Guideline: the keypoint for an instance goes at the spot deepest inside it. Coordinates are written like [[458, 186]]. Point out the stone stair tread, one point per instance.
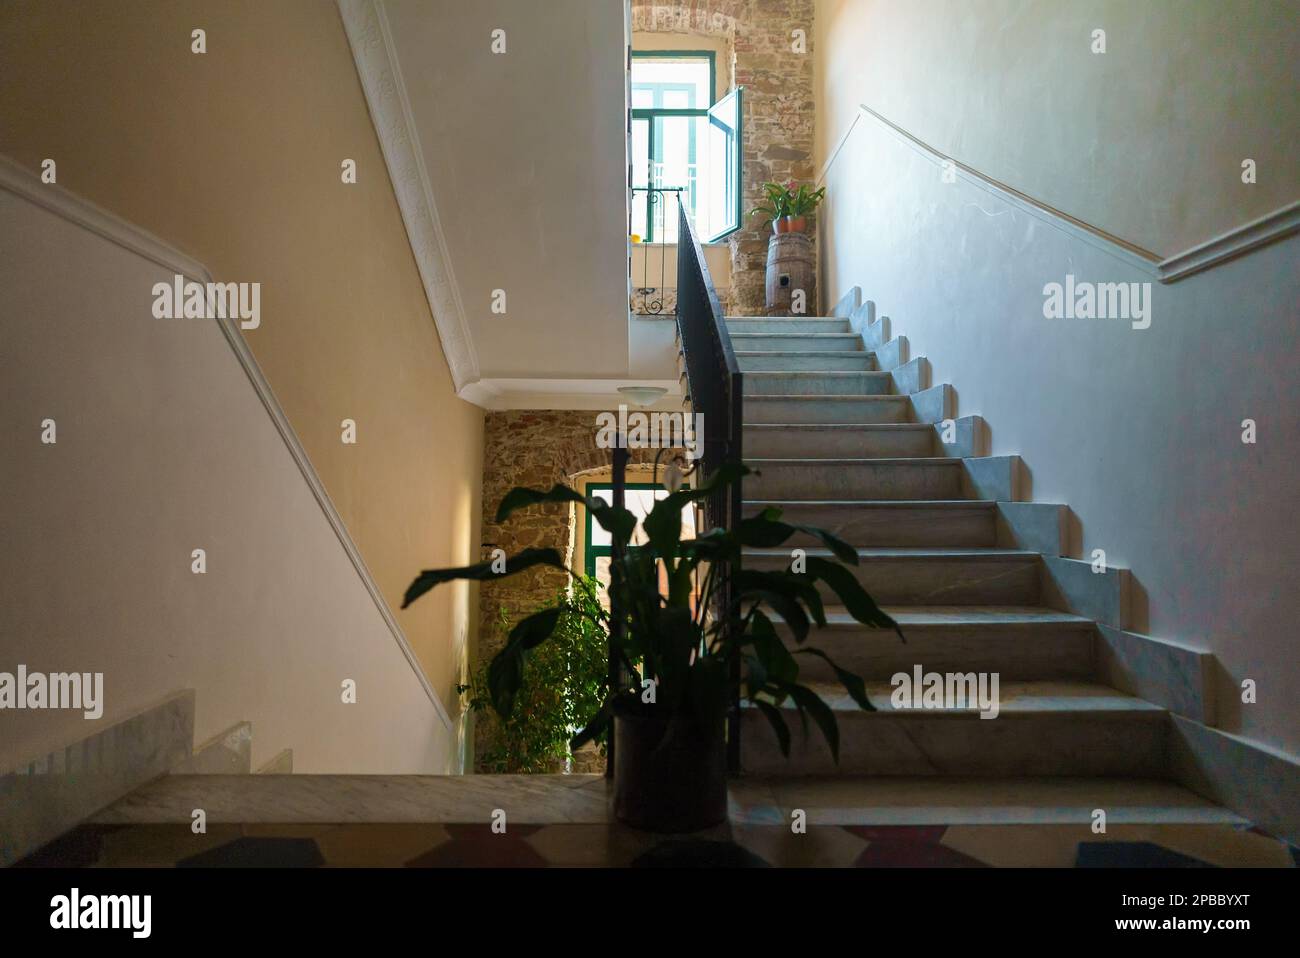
[[1014, 698], [845, 426], [952, 800], [853, 461], [830, 397], [966, 616], [807, 335], [818, 374], [878, 503], [781, 319], [912, 552], [767, 353]]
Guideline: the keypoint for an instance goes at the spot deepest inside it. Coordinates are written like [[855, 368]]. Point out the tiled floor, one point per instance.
[[434, 821], [415, 845]]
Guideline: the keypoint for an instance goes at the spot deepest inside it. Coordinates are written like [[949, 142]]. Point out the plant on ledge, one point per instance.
[[678, 645], [564, 683], [788, 205]]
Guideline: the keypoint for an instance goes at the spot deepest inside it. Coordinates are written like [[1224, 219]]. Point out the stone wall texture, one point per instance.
[[779, 108], [534, 448]]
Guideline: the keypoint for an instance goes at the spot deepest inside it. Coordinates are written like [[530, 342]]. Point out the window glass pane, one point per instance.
[[685, 79], [640, 174], [639, 502], [678, 161], [678, 99], [720, 168]]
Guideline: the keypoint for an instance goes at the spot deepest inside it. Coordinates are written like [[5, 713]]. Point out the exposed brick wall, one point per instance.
[[779, 107]]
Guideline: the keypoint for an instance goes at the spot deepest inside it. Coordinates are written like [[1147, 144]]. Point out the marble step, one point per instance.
[[811, 359], [840, 440], [1020, 643], [929, 576], [883, 523], [787, 342], [1042, 728], [827, 409], [787, 324], [934, 478], [821, 383], [934, 800]]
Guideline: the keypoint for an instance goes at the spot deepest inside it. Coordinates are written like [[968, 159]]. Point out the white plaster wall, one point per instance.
[[1144, 141], [164, 447], [1138, 431], [526, 157]]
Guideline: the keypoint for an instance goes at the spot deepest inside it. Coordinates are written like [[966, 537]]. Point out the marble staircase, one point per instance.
[[846, 434]]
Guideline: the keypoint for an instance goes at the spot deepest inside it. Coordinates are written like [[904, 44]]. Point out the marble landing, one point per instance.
[[339, 820]]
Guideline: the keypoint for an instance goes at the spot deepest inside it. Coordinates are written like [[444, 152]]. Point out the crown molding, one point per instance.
[[596, 394], [390, 112]]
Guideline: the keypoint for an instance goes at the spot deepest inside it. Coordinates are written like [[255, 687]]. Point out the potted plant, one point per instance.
[[788, 205], [679, 645]]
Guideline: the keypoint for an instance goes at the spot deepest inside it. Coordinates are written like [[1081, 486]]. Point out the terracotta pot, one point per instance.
[[669, 776], [781, 225], [796, 224]]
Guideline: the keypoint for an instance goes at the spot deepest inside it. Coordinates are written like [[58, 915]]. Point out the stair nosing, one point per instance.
[[791, 352], [995, 617], [808, 335], [949, 461], [916, 553], [986, 504], [886, 426], [839, 702], [833, 396], [833, 373]]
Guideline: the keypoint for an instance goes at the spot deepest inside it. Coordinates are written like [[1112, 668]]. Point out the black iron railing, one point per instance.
[[714, 388]]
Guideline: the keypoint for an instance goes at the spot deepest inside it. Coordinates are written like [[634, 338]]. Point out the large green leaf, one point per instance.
[[765, 531], [852, 683], [778, 665], [785, 592], [845, 584], [619, 523], [667, 510], [480, 571], [808, 701], [506, 673], [773, 716], [599, 722]]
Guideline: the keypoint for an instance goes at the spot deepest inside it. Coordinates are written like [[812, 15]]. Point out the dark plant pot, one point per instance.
[[669, 776]]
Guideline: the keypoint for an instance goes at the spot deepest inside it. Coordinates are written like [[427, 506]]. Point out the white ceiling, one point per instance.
[[523, 157]]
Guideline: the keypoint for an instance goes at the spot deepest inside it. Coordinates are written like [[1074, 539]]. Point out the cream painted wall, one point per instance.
[[1139, 432], [163, 446], [234, 156], [1144, 141], [648, 259]]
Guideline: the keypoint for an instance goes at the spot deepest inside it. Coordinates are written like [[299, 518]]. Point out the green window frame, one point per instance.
[[652, 115], [591, 552]]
